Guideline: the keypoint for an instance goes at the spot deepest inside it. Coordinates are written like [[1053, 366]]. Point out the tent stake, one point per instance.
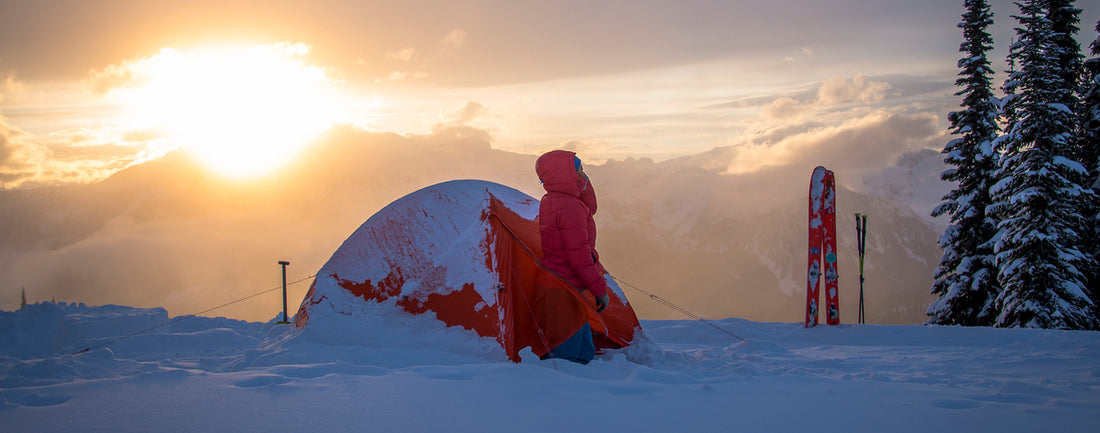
[[284, 264]]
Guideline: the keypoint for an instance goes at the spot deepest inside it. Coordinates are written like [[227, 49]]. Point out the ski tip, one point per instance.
[[818, 176]]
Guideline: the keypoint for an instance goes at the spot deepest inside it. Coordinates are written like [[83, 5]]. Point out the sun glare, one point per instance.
[[242, 111]]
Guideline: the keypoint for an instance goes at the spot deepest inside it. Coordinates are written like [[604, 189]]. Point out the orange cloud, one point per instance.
[[403, 55], [131, 73], [585, 149], [410, 63], [69, 156], [17, 152], [468, 113], [839, 90], [785, 108], [10, 88], [17, 160], [872, 141], [455, 39]]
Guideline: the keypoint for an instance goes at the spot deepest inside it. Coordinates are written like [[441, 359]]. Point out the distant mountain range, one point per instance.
[[167, 233]]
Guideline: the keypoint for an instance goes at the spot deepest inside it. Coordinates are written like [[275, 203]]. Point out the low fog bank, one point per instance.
[[167, 233], [735, 245]]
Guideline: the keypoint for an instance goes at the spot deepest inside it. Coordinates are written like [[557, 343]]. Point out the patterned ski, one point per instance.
[[822, 246], [828, 220], [816, 239]]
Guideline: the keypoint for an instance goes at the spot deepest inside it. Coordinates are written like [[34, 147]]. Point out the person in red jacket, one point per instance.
[[567, 226]]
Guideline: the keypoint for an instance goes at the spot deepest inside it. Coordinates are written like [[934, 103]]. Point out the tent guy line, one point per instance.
[[656, 298], [685, 312], [187, 316]]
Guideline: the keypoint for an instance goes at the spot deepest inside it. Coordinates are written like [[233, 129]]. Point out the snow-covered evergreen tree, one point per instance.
[[1089, 148], [1090, 111], [966, 278], [1041, 197], [1064, 18]]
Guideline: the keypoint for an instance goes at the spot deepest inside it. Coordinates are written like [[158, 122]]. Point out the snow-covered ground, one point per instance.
[[216, 374]]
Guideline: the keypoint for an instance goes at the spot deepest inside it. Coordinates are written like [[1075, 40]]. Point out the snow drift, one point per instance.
[[217, 374]]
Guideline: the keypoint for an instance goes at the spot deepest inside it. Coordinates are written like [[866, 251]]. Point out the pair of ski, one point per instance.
[[822, 245]]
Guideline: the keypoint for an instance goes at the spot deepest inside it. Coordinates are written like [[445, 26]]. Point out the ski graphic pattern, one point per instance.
[[822, 246], [828, 220], [813, 280]]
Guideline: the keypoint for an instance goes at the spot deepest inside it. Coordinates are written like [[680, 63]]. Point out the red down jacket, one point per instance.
[[566, 224]]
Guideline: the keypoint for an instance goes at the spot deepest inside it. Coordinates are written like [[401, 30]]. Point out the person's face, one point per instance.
[[580, 171]]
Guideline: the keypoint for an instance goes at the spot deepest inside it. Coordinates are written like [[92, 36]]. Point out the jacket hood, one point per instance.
[[557, 172]]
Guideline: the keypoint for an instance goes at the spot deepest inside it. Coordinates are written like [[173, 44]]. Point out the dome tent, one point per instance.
[[465, 253]]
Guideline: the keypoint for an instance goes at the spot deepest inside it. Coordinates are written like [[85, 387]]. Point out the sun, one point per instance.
[[242, 111]]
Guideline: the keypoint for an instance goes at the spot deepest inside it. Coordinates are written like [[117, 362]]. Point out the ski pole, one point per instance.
[[861, 248]]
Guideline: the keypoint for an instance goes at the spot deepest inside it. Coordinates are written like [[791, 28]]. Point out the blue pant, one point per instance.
[[578, 348]]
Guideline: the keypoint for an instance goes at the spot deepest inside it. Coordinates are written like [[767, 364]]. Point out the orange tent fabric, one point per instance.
[[541, 306], [533, 307]]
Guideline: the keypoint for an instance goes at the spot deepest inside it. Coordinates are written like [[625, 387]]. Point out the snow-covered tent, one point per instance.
[[466, 252]]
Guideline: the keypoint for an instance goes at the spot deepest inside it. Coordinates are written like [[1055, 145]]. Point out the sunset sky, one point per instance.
[[89, 87]]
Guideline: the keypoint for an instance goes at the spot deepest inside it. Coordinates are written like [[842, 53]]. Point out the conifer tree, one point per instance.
[[966, 278], [1089, 133], [1064, 18], [1041, 199], [1089, 148]]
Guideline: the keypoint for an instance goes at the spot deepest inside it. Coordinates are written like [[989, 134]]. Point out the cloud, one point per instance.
[[17, 152], [784, 109], [455, 39], [859, 89], [459, 120], [833, 91], [404, 55], [405, 75], [131, 73], [7, 142], [855, 146], [777, 135], [11, 89], [26, 161], [803, 52], [410, 63], [129, 110], [70, 156], [468, 113], [585, 149], [203, 63], [526, 42]]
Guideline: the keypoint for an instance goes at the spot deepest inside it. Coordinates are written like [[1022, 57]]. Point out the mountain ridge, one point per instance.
[[719, 245]]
